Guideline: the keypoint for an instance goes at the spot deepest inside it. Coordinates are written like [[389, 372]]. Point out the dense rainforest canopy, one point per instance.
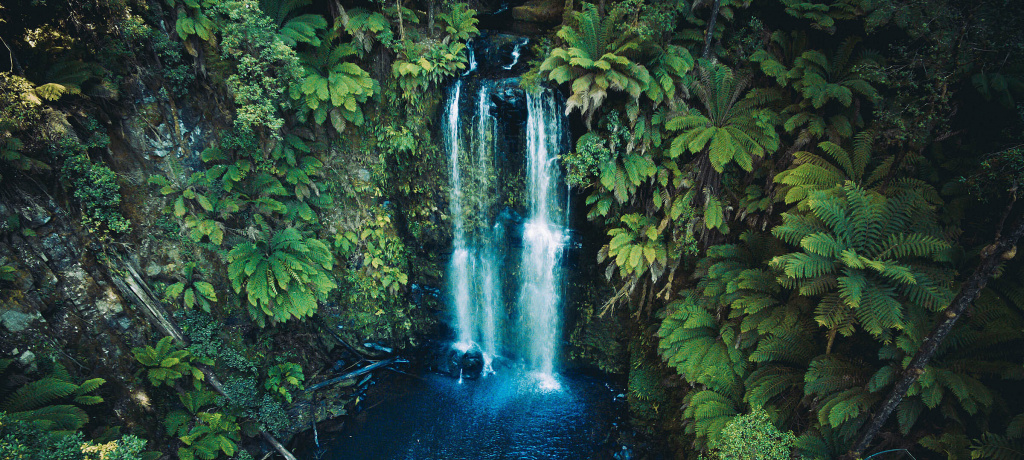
[[799, 217]]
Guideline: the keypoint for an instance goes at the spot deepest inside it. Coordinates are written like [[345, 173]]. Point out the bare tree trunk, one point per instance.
[[15, 67], [1004, 248], [430, 17], [401, 23], [711, 28]]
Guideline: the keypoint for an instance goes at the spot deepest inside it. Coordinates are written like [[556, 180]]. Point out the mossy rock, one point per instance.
[[541, 11]]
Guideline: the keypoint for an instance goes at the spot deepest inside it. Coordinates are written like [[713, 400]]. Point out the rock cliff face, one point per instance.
[[68, 296], [63, 303]]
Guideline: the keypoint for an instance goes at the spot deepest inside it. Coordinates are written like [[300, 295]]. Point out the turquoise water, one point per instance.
[[519, 416]]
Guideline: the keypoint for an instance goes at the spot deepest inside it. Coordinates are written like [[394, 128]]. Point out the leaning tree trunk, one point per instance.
[[1004, 248], [711, 28]]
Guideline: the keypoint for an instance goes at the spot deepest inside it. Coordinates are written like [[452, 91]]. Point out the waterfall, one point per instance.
[[459, 267], [489, 289], [515, 53], [506, 183], [543, 233]]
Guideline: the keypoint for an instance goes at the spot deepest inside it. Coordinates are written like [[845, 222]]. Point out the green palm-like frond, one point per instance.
[[863, 254], [596, 60], [294, 28], [732, 128], [333, 86], [285, 277], [44, 402]]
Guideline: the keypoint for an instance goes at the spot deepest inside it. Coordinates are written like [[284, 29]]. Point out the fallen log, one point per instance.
[[357, 373]]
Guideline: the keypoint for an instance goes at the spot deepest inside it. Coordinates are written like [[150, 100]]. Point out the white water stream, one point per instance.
[[479, 277]]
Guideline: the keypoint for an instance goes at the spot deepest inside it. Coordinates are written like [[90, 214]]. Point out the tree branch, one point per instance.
[[1001, 250], [356, 373]]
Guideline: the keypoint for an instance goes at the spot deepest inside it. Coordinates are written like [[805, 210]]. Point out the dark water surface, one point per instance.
[[519, 416]]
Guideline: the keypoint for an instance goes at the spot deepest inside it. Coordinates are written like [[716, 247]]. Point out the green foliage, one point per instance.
[[96, 188], [814, 172], [753, 435], [859, 252], [265, 66], [639, 245], [283, 276], [212, 434], [584, 162], [195, 205], [265, 410], [367, 28], [207, 341], [195, 17], [823, 15], [829, 90], [460, 22], [20, 110], [127, 448], [333, 86], [732, 130], [294, 28], [993, 446], [641, 195], [596, 59], [839, 385], [998, 175], [165, 364], [422, 65], [378, 257], [67, 78], [707, 350], [421, 68], [22, 440], [192, 291], [282, 377], [646, 393], [49, 403]]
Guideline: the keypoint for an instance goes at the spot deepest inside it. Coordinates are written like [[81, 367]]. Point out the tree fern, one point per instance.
[[992, 446], [40, 401], [959, 380], [294, 28], [366, 28], [596, 60], [460, 22], [283, 277], [835, 165], [820, 443], [710, 412], [855, 237], [731, 130], [332, 86], [67, 77], [843, 401]]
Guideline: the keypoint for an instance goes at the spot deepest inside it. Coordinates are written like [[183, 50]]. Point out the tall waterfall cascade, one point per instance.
[[509, 217]]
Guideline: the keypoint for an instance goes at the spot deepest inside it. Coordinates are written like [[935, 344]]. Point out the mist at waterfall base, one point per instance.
[[500, 393]]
